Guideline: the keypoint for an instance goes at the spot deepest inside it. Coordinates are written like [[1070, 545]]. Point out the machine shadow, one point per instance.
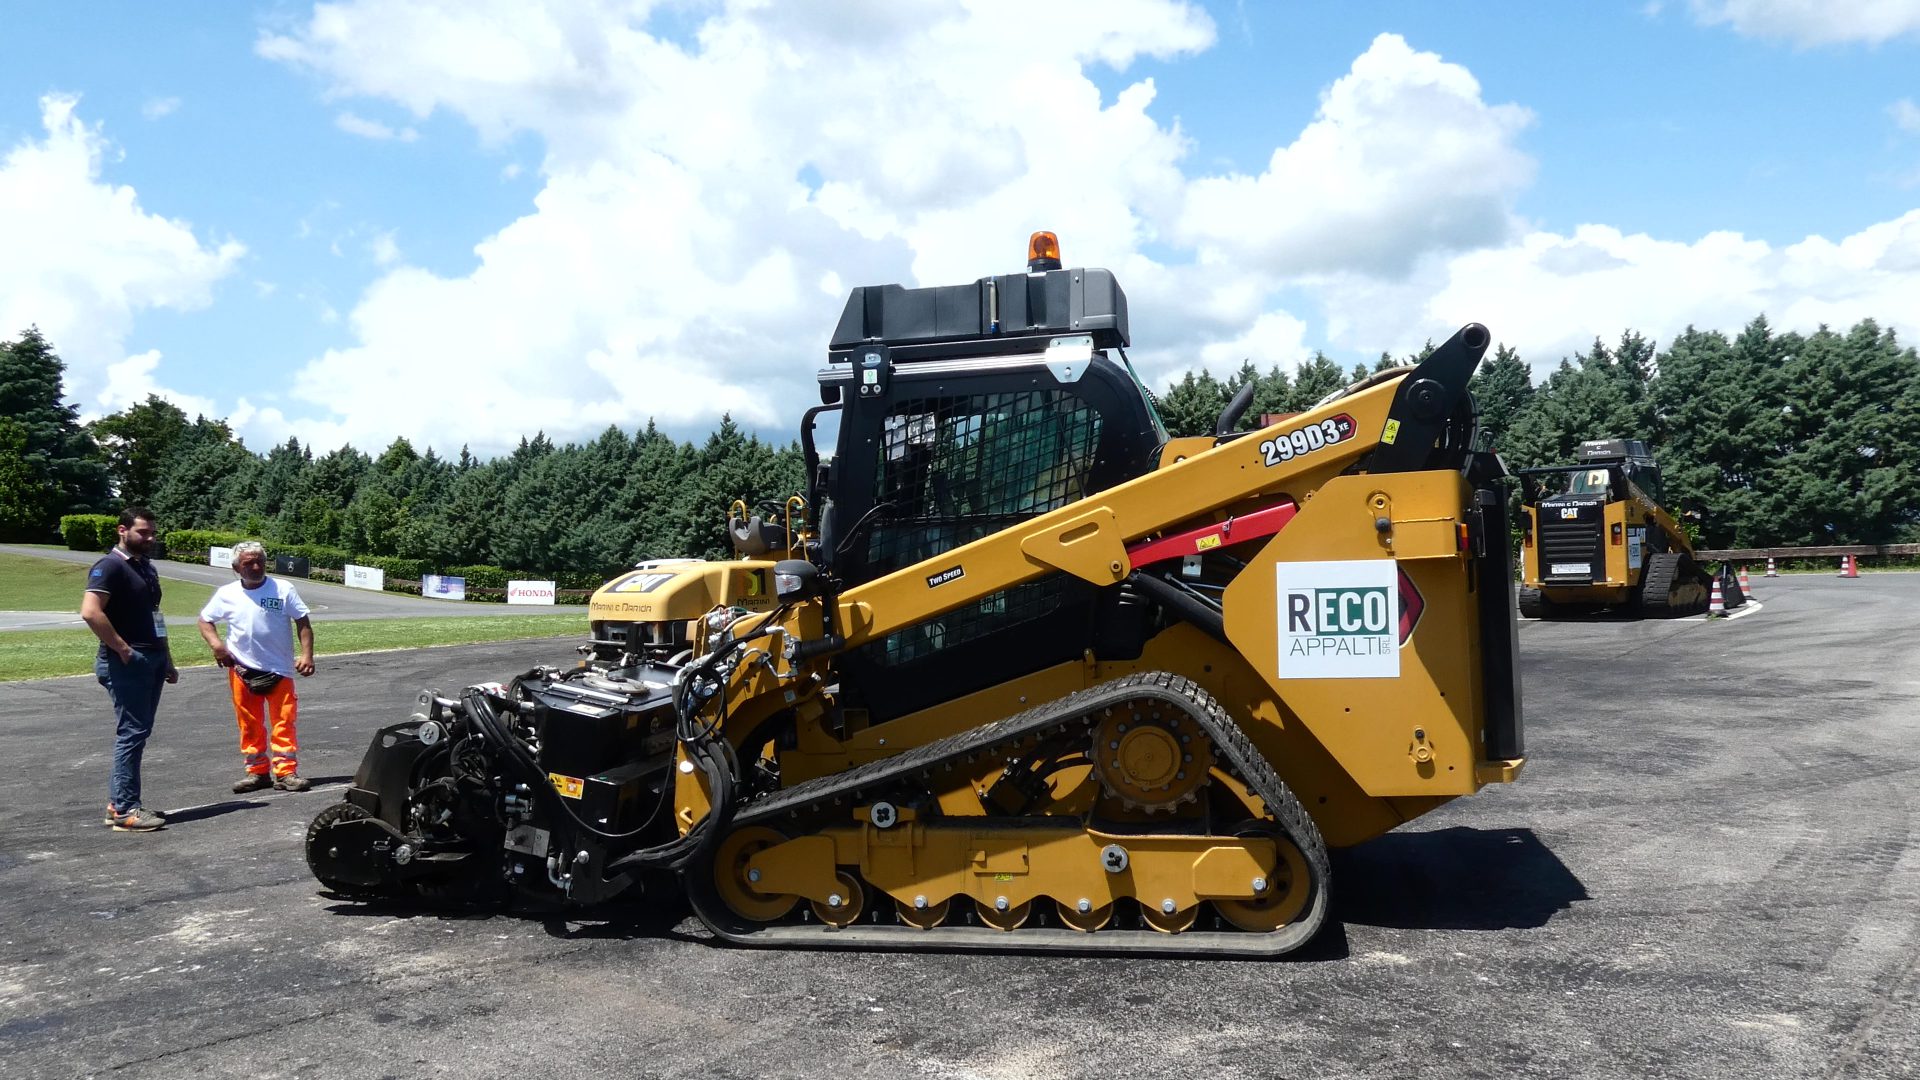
[[209, 810], [1453, 879], [1458, 878]]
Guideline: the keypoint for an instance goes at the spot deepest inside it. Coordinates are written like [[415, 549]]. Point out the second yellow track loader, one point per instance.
[[1017, 671]]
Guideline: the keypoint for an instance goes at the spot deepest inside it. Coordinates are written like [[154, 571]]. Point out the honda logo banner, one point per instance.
[[531, 592]]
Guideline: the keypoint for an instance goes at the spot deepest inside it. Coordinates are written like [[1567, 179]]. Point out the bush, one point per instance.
[[90, 532], [393, 565], [192, 544], [494, 577]]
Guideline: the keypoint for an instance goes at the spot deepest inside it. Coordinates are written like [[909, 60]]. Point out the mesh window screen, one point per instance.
[[958, 469]]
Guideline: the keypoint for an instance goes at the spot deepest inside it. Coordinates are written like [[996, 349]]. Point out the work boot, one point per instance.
[[253, 781], [291, 782], [137, 819]]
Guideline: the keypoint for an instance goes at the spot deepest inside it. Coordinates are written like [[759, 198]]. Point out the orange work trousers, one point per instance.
[[259, 712]]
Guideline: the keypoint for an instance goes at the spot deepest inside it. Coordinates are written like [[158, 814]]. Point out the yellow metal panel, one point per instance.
[[1367, 723]]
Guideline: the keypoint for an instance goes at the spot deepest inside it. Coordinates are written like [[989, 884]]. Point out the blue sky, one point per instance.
[[465, 221]]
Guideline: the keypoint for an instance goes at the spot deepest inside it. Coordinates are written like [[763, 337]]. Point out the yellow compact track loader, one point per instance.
[[1018, 671], [1604, 541]]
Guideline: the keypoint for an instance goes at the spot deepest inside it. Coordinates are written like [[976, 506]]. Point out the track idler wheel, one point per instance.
[[1093, 918], [852, 900], [733, 880], [922, 918], [1012, 918], [1176, 921], [1285, 897]]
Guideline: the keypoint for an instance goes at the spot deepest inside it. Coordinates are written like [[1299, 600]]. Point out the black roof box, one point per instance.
[[993, 310]]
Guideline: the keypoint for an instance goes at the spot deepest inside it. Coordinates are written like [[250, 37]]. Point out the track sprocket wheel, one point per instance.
[[731, 876], [1149, 757]]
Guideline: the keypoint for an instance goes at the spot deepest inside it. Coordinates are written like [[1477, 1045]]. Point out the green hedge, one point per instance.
[[318, 556], [90, 532], [192, 544], [393, 565], [494, 577]]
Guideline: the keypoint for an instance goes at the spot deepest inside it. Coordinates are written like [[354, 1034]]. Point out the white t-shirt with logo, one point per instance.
[[259, 622]]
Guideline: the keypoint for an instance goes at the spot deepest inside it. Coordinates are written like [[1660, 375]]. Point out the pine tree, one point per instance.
[[1316, 379], [63, 470], [138, 440], [1502, 387], [1193, 405]]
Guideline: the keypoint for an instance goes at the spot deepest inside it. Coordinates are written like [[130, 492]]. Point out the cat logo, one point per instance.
[[1568, 513], [642, 583]]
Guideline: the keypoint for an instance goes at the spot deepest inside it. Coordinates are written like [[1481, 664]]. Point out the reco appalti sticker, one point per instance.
[[1339, 620]]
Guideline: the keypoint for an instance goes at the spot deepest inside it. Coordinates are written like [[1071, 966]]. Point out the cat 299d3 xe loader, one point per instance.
[[1019, 671], [1605, 541]]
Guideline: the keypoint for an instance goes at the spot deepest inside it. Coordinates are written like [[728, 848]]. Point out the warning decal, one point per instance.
[[569, 786], [1339, 620]]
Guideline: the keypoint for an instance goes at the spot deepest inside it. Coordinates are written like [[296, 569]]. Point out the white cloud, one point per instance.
[[1814, 22], [372, 129], [384, 250], [703, 207], [1403, 158], [155, 108], [131, 380], [1550, 295], [83, 257], [1906, 115]]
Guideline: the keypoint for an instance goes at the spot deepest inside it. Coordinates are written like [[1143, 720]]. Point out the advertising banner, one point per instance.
[[1339, 620], [440, 587], [364, 577], [530, 592], [218, 556]]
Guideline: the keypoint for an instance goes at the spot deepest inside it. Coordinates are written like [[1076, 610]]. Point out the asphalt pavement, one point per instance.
[[327, 600], [1708, 869]]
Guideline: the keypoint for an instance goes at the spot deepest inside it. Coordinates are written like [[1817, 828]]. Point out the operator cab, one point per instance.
[[964, 410]]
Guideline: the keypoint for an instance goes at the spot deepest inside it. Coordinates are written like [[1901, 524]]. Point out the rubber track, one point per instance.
[[1656, 586], [807, 800]]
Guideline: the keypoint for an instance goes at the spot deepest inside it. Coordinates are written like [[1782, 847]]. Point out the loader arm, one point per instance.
[[1396, 422]]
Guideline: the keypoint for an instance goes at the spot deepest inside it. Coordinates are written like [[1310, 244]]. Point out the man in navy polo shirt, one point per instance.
[[122, 608]]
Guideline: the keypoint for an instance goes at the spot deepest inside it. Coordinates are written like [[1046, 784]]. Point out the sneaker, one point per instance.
[[291, 782], [137, 819], [253, 781]]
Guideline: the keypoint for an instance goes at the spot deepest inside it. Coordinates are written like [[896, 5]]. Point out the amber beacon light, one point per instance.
[[1043, 252]]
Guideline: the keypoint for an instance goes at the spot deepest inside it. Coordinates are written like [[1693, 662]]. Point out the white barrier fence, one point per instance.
[[531, 592], [219, 556], [364, 577]]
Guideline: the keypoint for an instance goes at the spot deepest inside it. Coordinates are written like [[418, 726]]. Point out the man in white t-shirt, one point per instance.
[[262, 615]]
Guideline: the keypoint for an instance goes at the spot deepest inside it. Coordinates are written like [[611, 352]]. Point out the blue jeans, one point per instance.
[[134, 687]]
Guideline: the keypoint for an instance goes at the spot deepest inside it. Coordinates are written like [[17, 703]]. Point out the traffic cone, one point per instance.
[[1746, 587], [1716, 603], [1849, 566], [1771, 572]]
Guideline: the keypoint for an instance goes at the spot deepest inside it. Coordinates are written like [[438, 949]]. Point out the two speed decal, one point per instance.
[[1306, 440]]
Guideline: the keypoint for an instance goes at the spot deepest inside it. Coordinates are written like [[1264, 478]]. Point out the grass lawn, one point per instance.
[[30, 584], [40, 654]]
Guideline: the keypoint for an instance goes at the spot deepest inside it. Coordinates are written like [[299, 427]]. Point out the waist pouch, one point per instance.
[[260, 682]]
